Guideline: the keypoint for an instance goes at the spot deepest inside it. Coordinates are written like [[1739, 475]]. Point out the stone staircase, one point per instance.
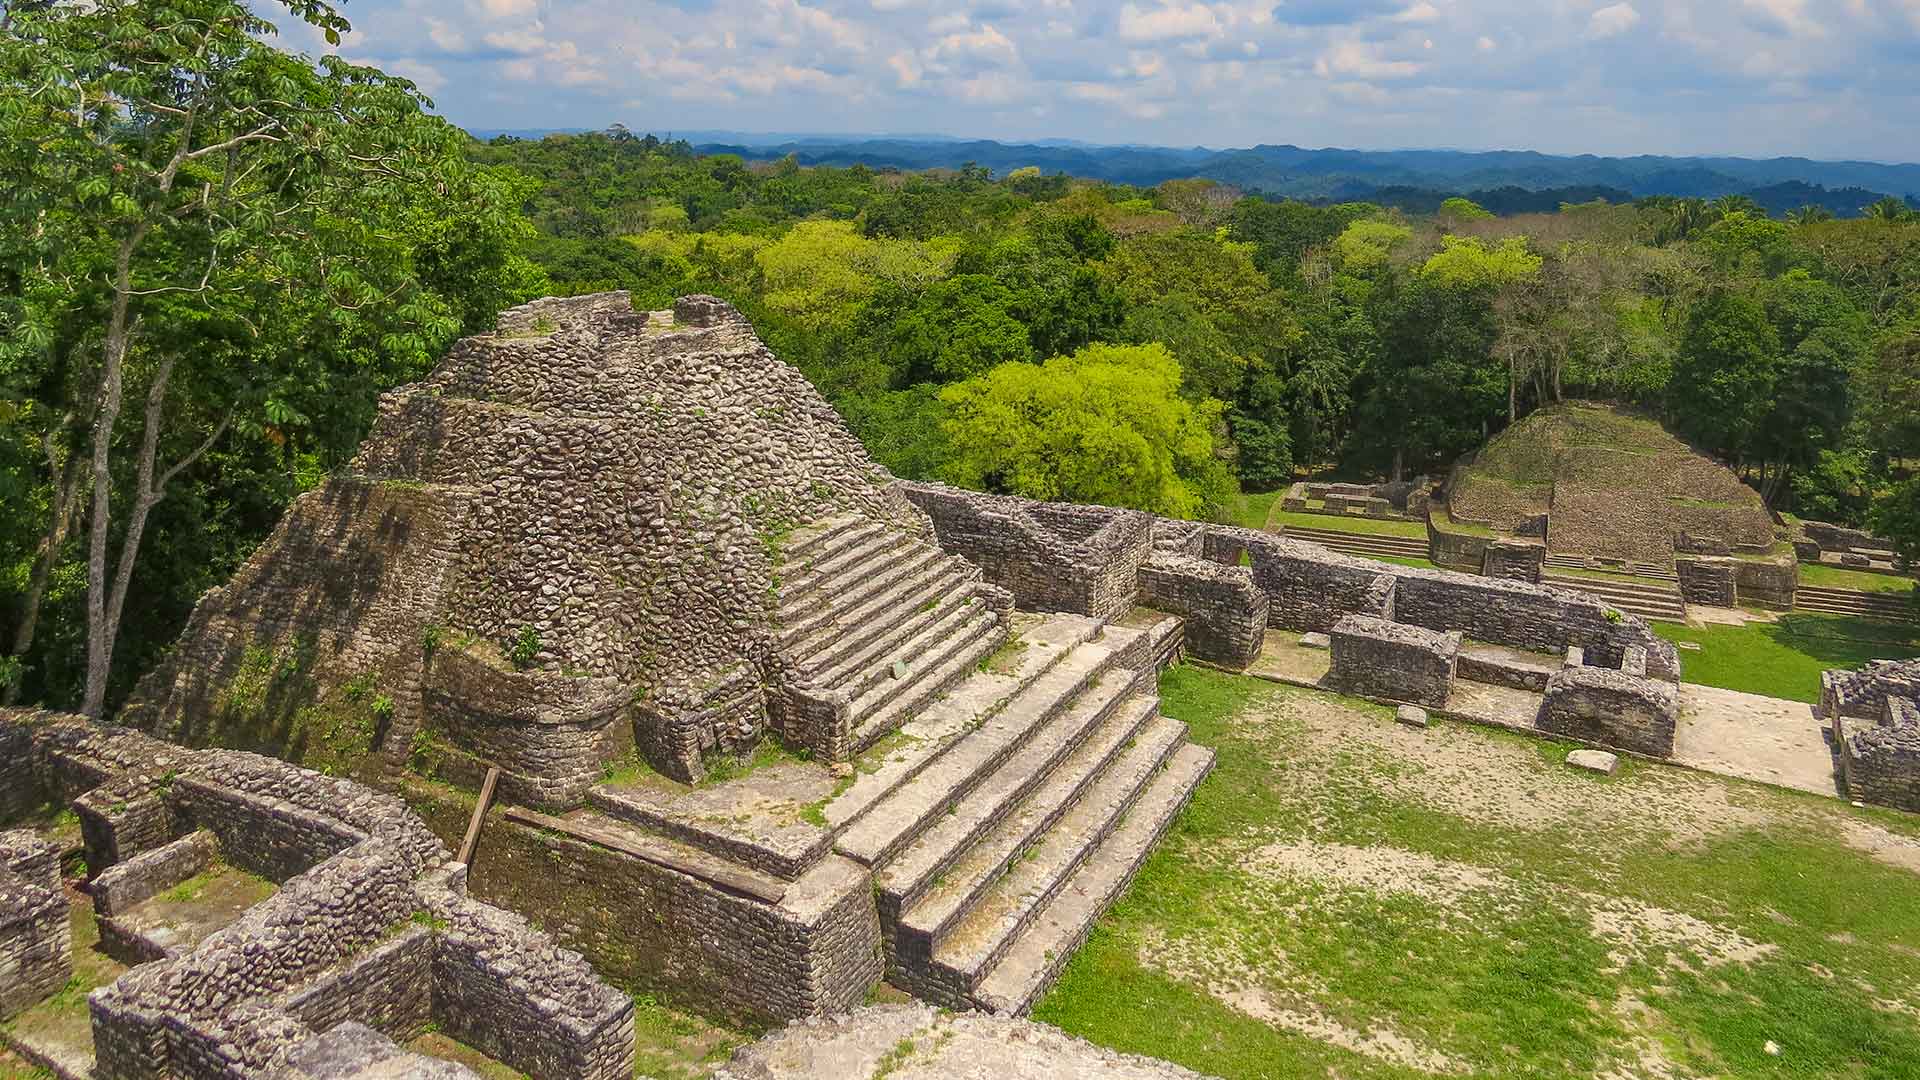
[[1888, 607], [880, 620], [1009, 812], [1366, 545], [1649, 600]]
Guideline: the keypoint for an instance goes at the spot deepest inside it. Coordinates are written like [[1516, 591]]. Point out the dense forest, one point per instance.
[[217, 254]]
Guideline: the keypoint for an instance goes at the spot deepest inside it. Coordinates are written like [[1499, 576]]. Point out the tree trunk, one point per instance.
[[66, 485], [1399, 463], [112, 390]]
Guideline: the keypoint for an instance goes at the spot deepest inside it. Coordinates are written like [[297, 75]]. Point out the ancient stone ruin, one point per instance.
[[1875, 714], [613, 605]]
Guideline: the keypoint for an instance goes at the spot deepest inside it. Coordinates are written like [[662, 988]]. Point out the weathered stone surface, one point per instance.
[[1707, 580], [914, 1042], [354, 1051], [1596, 761], [1412, 716], [1225, 613], [1381, 659], [36, 953], [1612, 708]]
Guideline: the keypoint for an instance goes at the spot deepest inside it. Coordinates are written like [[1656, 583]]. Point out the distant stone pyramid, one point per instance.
[[564, 541]]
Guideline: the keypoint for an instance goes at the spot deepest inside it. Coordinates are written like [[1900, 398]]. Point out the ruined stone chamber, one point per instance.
[[358, 921], [1875, 715]]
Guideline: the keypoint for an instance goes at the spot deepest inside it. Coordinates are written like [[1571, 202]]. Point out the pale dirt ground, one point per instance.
[[1473, 774]]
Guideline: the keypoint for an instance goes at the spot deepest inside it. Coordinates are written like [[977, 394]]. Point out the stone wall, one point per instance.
[[647, 926], [1514, 560], [21, 791], [141, 878], [36, 950], [1612, 708], [1880, 762], [1863, 694], [1831, 537], [1456, 549], [1225, 613], [1380, 659], [1531, 617], [1769, 582], [1308, 587], [1050, 556], [1708, 580]]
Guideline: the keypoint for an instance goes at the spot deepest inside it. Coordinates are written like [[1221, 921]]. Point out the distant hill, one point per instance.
[[1518, 180]]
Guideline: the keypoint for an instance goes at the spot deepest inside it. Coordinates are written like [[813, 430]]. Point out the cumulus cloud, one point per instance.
[[1817, 77], [1612, 21]]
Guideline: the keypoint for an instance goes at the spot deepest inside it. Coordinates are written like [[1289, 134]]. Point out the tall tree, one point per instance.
[[198, 206]]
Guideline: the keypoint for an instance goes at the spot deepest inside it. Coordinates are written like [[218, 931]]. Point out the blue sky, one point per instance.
[[1818, 78]]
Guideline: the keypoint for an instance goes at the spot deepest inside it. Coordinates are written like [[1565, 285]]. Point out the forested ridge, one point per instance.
[[221, 253]]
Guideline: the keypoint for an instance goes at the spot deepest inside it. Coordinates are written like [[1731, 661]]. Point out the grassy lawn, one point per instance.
[[1834, 577], [1784, 659], [1360, 525], [1250, 509], [1349, 898]]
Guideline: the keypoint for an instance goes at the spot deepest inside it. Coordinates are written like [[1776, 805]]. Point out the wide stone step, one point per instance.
[[894, 616], [807, 540], [1082, 799], [1605, 587], [1099, 721], [804, 624], [890, 823], [882, 710], [916, 650], [1043, 945], [875, 548]]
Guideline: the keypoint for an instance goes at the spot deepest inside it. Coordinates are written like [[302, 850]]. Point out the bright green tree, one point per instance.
[[1723, 383], [1106, 425]]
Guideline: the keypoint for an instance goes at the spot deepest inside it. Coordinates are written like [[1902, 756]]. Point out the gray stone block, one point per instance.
[[1596, 761], [1412, 716]]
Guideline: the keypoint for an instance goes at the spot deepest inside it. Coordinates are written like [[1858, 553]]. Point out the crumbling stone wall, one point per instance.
[[36, 950], [1769, 582], [1308, 587], [1225, 613], [1830, 537], [1880, 762], [1613, 708], [605, 490], [1531, 617], [1050, 556], [1863, 694], [1377, 658]]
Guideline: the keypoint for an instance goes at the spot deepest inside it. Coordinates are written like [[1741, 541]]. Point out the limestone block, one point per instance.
[[1381, 659], [1412, 716], [1595, 761], [1315, 640], [1612, 708]]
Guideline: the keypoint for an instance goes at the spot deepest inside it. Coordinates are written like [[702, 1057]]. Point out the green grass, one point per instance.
[[1250, 509], [1512, 984], [1349, 524], [1834, 577], [1784, 659]]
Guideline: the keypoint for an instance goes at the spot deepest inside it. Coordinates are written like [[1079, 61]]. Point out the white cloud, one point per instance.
[[1168, 22], [507, 9], [1353, 58], [1612, 21], [1486, 44], [1418, 13]]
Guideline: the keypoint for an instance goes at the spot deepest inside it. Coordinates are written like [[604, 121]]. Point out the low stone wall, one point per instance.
[[1831, 537], [1462, 551], [1308, 587], [150, 873], [1880, 762], [1381, 659], [649, 927], [36, 950], [677, 727], [1863, 694], [1531, 617], [1225, 613], [1497, 671], [1767, 582], [1514, 560], [1051, 556], [1612, 708], [550, 734], [1707, 580], [21, 791]]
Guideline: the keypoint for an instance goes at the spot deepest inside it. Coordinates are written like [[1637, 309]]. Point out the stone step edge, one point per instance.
[[805, 593], [818, 531], [914, 693], [1056, 700], [905, 564], [846, 664], [800, 558], [611, 802], [956, 965], [1055, 657], [910, 873], [1145, 744], [1189, 767]]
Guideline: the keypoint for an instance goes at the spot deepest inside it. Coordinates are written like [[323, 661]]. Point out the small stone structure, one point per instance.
[[1620, 708], [1515, 558], [1708, 580], [370, 923], [1875, 713], [1377, 658]]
